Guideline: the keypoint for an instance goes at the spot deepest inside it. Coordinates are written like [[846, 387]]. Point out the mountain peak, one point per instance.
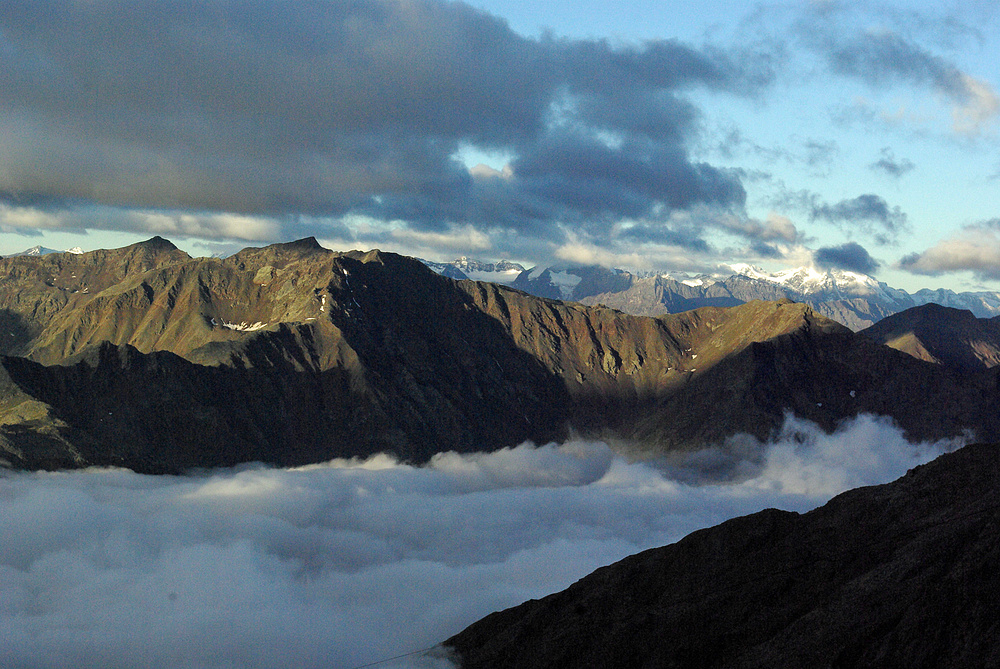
[[278, 254], [156, 243], [945, 335], [305, 244]]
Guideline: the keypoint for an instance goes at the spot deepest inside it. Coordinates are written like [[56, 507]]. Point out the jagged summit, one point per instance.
[[853, 299], [39, 250], [502, 272], [304, 244], [278, 255], [824, 284]]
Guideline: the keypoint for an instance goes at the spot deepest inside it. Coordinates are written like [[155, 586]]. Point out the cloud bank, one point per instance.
[[868, 213], [273, 111], [975, 248], [362, 123], [350, 562]]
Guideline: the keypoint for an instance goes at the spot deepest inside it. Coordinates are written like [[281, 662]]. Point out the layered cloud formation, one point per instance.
[[976, 247], [351, 562], [325, 109], [431, 127]]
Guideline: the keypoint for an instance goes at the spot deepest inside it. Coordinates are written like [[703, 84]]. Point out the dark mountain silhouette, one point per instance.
[[951, 337], [899, 575], [147, 358]]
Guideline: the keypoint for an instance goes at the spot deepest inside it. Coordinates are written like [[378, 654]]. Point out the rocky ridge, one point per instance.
[[147, 358]]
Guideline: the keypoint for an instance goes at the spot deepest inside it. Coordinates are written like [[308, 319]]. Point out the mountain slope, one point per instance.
[[824, 375], [898, 575], [951, 337], [36, 289]]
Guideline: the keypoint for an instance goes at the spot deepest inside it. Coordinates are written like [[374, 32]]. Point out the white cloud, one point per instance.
[[349, 562], [206, 225], [458, 239], [975, 248], [980, 107], [586, 253], [29, 218], [218, 225], [482, 171]]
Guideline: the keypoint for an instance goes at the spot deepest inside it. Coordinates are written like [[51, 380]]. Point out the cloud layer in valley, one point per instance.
[[349, 562]]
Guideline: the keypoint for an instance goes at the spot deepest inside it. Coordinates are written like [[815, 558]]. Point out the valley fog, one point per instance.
[[350, 562]]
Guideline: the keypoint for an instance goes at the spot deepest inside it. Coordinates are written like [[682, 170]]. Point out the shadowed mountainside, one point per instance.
[[951, 337], [898, 575], [146, 358]]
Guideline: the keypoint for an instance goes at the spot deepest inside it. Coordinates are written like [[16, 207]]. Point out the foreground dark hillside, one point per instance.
[[900, 575], [146, 358]]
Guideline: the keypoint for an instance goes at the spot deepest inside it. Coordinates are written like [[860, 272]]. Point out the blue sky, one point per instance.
[[644, 134]]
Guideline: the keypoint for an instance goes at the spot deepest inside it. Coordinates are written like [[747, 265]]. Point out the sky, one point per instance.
[[346, 563], [644, 135]]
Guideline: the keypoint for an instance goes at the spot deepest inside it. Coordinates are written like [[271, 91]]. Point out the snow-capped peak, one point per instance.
[[828, 284], [746, 269], [465, 267], [40, 250]]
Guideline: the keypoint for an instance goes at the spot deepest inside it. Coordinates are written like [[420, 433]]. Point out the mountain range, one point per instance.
[[40, 250], [850, 298], [147, 358]]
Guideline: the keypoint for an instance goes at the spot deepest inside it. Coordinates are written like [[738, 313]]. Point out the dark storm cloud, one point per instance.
[[585, 177], [767, 251], [686, 238], [850, 256], [332, 108], [888, 164], [21, 232], [869, 213]]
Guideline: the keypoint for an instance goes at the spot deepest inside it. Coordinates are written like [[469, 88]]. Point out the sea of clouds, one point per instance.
[[351, 562]]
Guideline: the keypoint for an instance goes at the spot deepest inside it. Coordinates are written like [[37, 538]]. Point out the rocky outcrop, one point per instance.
[[899, 575]]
